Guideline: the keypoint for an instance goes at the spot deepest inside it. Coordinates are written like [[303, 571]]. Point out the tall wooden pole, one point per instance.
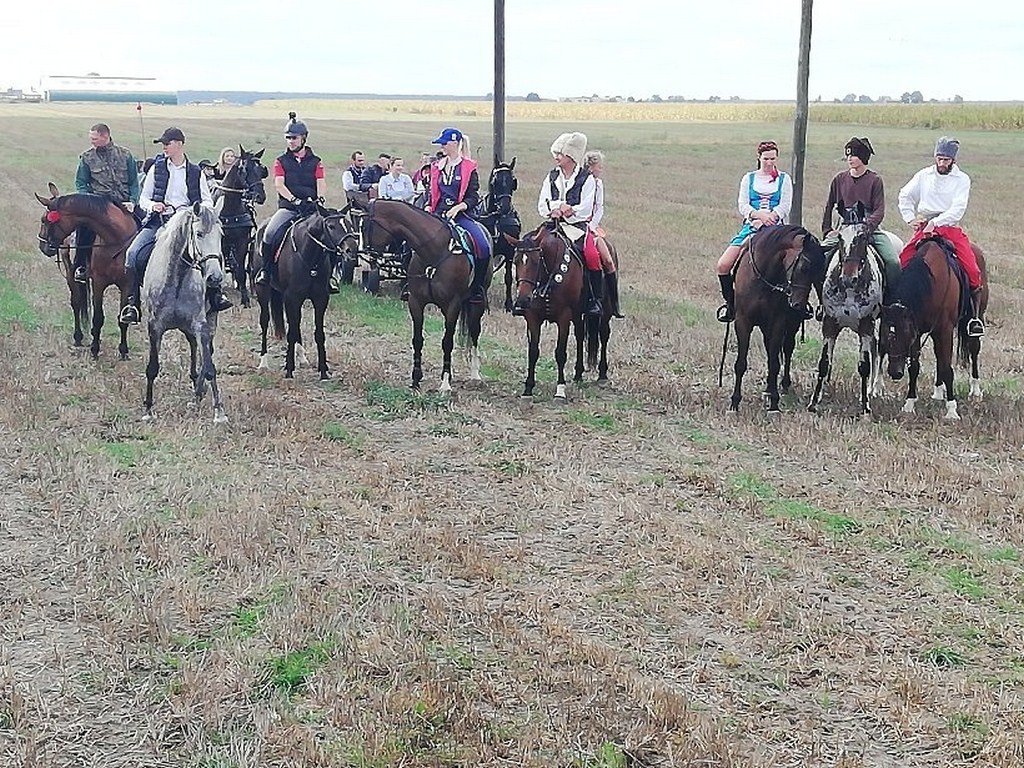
[[499, 81], [800, 124]]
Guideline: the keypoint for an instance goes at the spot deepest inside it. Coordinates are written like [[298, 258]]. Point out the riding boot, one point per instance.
[[130, 312], [727, 312], [477, 293], [81, 272], [975, 327], [613, 293], [215, 297], [596, 280], [263, 276]]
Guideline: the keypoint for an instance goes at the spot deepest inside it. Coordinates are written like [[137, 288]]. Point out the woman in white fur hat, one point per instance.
[[567, 194]]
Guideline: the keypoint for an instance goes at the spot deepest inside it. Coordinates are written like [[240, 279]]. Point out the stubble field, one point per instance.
[[348, 574]]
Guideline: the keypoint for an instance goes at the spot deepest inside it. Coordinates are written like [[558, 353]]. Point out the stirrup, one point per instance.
[[262, 277], [129, 315], [594, 308], [975, 327], [81, 275], [725, 314]]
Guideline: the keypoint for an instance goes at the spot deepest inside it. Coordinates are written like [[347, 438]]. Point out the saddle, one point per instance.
[[964, 306]]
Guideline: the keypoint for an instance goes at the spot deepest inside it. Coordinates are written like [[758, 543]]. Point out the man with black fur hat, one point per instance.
[[859, 184], [933, 202]]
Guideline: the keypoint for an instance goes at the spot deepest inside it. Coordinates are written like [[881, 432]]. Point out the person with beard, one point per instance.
[[106, 169], [859, 184], [172, 183], [765, 197], [300, 182], [933, 202]]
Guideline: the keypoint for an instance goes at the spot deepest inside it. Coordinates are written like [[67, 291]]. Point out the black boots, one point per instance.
[[612, 279], [975, 327], [130, 313], [727, 312], [477, 292], [596, 280], [263, 276]]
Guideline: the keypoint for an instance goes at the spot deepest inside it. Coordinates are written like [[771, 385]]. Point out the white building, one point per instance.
[[149, 90]]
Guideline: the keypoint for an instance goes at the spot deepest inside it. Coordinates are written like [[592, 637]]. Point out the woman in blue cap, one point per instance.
[[454, 193]]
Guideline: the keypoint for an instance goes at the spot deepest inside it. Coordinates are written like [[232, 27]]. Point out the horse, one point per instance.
[[115, 228], [932, 300], [240, 191], [550, 287], [852, 297], [502, 221], [436, 275], [174, 293], [774, 277], [305, 260]]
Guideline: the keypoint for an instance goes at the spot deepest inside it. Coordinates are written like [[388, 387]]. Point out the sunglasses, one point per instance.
[[292, 137]]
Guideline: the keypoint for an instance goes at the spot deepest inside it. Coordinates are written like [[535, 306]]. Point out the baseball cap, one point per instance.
[[448, 134], [169, 135]]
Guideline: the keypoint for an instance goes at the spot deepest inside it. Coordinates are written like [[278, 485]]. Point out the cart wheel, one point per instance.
[[371, 281]]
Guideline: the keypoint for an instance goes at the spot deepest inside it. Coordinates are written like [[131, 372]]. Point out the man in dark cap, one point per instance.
[[859, 184]]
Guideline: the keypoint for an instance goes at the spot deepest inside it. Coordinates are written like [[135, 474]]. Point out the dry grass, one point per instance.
[[348, 575]]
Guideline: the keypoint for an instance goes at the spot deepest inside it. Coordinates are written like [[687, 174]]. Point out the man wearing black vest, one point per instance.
[[171, 183], [567, 195], [300, 181]]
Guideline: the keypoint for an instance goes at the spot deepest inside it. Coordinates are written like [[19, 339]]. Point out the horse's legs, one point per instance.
[[743, 331], [451, 320], [474, 316], [865, 365], [193, 348], [209, 373], [973, 351], [773, 346], [828, 332], [319, 310], [264, 296], [606, 332], [152, 369], [97, 317], [293, 314], [79, 308], [124, 289], [913, 370], [533, 326], [416, 314], [509, 268], [580, 328], [788, 345], [561, 355], [876, 388], [942, 343]]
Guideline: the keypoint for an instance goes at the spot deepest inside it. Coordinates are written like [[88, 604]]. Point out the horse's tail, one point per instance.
[[591, 337], [964, 342], [277, 312], [462, 329]]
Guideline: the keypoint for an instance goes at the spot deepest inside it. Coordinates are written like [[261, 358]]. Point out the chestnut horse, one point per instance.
[[115, 229]]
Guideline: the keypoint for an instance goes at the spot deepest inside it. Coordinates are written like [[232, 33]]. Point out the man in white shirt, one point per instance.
[[171, 183], [396, 184], [567, 195], [933, 202]]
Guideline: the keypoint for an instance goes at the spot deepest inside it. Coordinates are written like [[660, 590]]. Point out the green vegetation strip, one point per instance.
[[750, 485], [15, 308]]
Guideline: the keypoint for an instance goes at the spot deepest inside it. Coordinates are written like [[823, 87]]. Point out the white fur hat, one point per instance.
[[573, 145]]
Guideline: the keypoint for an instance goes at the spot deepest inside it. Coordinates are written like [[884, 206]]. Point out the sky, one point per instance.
[[639, 48]]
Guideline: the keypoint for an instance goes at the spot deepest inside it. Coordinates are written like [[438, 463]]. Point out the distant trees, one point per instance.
[[531, 96], [913, 97]]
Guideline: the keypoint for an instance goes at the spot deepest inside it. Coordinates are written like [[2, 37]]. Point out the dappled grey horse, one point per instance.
[[186, 251]]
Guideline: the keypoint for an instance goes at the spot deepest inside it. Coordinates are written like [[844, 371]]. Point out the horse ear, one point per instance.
[[53, 189], [512, 165], [196, 207], [259, 154], [42, 200], [241, 150], [513, 241]]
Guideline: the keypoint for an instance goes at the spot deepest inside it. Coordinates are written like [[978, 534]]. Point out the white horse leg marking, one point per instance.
[[908, 407], [939, 393], [446, 383], [474, 364], [264, 362], [951, 413], [975, 389], [560, 391]]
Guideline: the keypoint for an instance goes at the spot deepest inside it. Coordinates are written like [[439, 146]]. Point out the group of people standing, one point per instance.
[[932, 202]]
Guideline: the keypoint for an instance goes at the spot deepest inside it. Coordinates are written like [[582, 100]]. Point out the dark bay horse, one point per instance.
[[174, 293], [437, 276], [550, 288], [304, 263], [502, 221], [239, 192], [852, 298], [930, 300], [115, 228], [777, 269]]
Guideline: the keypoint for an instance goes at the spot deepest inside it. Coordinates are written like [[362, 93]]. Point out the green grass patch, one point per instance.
[[1003, 555], [15, 308], [608, 755], [747, 484], [390, 402], [963, 582], [126, 454], [600, 421], [381, 315], [288, 673], [942, 656], [339, 433]]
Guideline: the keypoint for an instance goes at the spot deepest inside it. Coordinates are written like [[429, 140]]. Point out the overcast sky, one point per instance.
[[745, 48]]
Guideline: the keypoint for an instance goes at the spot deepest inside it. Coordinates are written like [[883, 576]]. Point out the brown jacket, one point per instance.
[[845, 191]]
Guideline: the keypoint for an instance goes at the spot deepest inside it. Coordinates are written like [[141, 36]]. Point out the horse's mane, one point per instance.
[[173, 236], [774, 239], [915, 285], [90, 205]]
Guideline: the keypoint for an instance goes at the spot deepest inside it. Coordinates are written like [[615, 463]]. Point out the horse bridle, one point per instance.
[[50, 242], [248, 191], [789, 272]]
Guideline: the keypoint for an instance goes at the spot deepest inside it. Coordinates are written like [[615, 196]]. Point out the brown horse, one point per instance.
[[115, 228], [437, 276], [931, 300], [550, 288], [776, 271]]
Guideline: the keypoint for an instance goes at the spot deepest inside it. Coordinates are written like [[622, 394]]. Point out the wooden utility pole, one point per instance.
[[803, 71], [499, 81]]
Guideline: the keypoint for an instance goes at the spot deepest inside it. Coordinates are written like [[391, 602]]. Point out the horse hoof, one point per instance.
[[289, 375], [220, 418], [560, 392], [325, 375], [147, 417]]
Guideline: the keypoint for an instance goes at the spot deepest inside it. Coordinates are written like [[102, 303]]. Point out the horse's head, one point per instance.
[[54, 224], [331, 230], [501, 186], [791, 253], [853, 249], [204, 234], [898, 335], [534, 256], [247, 174]]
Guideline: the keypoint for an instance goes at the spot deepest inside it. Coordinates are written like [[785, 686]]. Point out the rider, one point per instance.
[[861, 185], [300, 181], [594, 161], [567, 195], [105, 169], [765, 197], [455, 195], [171, 183], [934, 201]]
